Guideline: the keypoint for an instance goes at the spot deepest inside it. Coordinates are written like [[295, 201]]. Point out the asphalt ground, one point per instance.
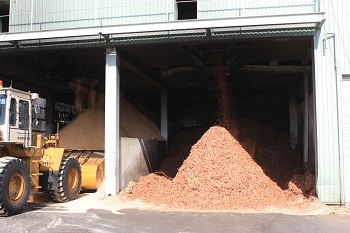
[[53, 217]]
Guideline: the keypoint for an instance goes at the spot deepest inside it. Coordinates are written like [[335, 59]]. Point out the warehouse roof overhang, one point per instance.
[[175, 56], [137, 33]]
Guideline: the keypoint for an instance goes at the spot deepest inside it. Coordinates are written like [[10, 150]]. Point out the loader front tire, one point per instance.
[[14, 185], [69, 180]]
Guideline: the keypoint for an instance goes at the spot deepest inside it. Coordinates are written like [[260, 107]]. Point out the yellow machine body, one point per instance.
[[91, 162], [92, 167], [41, 160], [41, 164], [92, 173]]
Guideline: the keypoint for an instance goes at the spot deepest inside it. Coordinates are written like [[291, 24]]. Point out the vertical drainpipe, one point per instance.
[[306, 118], [112, 119], [339, 119]]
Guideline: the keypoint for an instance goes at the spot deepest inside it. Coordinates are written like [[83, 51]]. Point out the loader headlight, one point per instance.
[[54, 137]]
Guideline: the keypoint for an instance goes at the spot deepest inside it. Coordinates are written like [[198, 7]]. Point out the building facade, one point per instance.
[[36, 22]]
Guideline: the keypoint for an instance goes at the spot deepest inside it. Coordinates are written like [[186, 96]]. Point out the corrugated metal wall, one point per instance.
[[346, 138], [331, 61], [27, 15], [229, 8], [328, 167]]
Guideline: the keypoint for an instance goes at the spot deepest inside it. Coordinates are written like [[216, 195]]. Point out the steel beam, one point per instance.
[[139, 72], [290, 22], [276, 69]]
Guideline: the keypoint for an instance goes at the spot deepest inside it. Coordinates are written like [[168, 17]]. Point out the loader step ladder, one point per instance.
[[34, 176]]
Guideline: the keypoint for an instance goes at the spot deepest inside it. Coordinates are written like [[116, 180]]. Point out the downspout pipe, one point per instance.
[[339, 120]]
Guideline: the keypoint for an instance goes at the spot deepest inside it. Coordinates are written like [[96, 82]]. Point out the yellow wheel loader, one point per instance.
[[31, 163]]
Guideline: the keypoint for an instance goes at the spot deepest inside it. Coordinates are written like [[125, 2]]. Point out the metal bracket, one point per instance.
[[107, 37], [15, 43], [209, 33]]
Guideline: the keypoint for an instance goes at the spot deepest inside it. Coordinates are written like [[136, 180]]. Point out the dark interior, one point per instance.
[[186, 9], [4, 15], [257, 74]]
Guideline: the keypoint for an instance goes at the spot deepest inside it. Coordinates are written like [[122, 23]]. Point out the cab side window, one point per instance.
[[13, 113], [2, 109], [23, 107]]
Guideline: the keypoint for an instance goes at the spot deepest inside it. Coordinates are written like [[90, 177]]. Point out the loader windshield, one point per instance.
[[2, 109]]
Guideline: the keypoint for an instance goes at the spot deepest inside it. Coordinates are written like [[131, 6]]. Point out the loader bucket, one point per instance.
[[92, 171]]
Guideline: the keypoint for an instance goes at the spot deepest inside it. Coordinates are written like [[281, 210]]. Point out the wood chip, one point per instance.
[[248, 166]]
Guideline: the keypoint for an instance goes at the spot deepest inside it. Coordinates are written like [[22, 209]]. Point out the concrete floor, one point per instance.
[[55, 218]]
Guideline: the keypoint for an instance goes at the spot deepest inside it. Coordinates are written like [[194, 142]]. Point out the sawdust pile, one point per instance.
[[87, 130], [135, 124], [223, 173]]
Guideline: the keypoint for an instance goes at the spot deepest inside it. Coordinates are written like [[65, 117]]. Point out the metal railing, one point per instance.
[[259, 7], [39, 15]]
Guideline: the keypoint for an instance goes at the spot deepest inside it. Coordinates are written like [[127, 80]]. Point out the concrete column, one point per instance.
[[293, 115], [164, 117], [112, 110], [306, 118]]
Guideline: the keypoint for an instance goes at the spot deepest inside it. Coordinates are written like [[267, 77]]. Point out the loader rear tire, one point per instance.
[[69, 180], [14, 185]]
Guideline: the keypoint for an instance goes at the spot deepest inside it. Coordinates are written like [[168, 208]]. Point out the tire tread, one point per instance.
[[5, 164], [60, 195]]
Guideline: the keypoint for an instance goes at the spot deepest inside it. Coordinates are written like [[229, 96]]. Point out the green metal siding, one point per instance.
[[229, 8], [331, 61], [34, 15]]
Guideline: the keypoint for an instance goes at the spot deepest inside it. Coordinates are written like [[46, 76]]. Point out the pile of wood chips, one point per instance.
[[87, 131], [248, 166]]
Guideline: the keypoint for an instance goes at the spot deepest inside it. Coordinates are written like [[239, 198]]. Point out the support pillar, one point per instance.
[[293, 115], [306, 118], [112, 119], [164, 118]]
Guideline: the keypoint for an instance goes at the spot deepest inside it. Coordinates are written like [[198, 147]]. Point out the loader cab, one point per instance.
[[16, 116]]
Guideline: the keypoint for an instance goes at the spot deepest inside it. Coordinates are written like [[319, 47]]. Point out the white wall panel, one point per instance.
[[208, 9], [331, 61], [328, 167], [346, 136], [59, 14]]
